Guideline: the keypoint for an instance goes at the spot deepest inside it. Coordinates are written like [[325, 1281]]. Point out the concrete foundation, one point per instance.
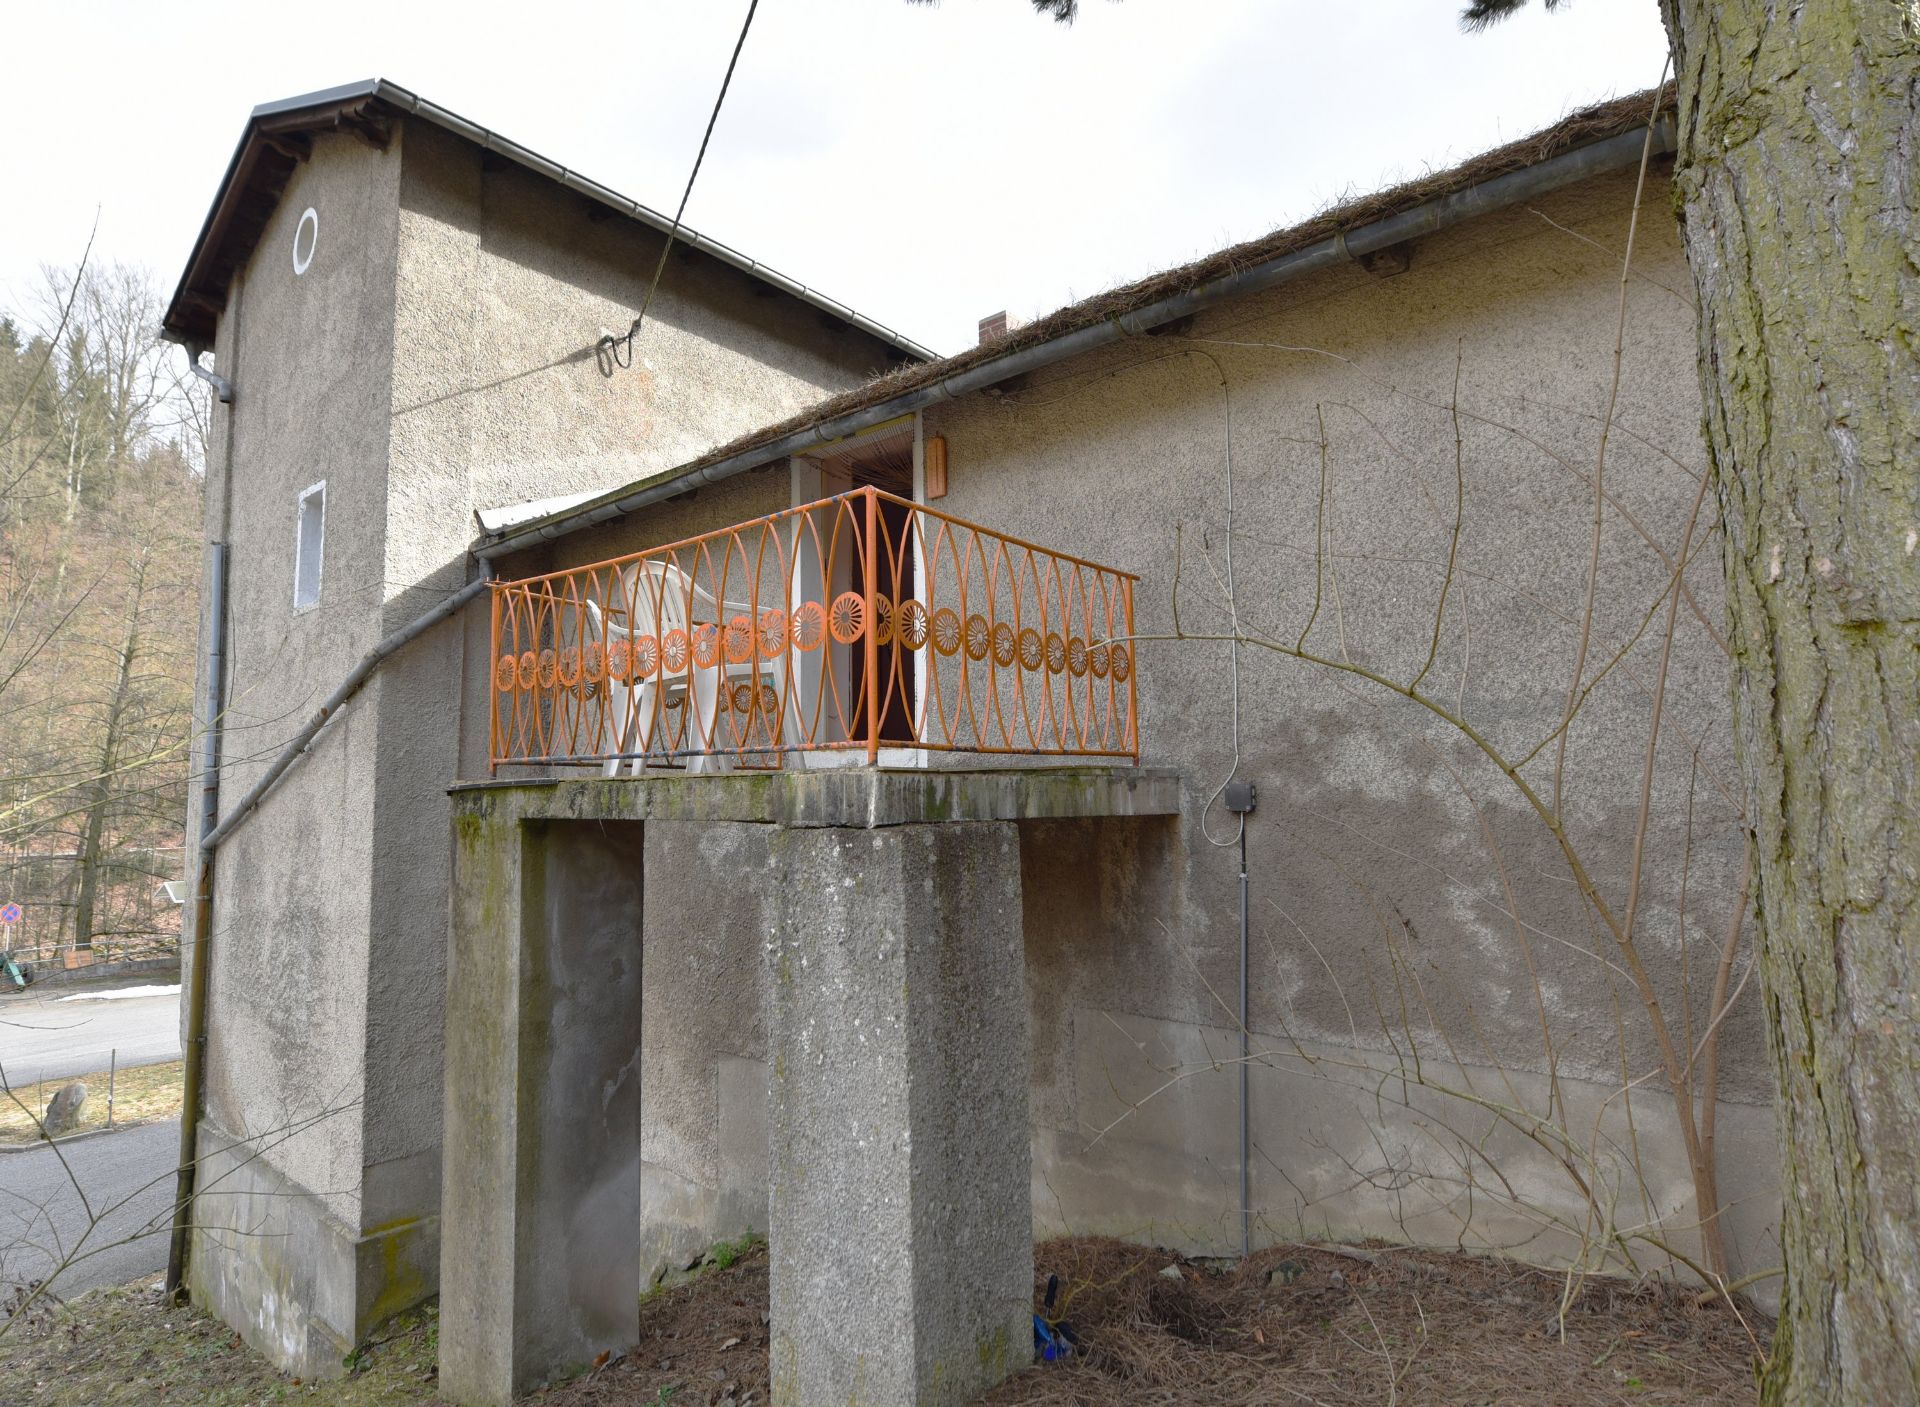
[[893, 1108], [902, 1236]]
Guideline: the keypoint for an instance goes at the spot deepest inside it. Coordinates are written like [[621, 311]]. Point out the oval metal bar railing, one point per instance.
[[857, 623]]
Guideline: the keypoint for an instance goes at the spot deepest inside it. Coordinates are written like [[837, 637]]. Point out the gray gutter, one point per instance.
[[412, 103], [1568, 168]]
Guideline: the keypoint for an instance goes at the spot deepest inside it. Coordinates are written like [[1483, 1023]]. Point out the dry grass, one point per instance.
[[140, 1095], [127, 1347], [1294, 1325]]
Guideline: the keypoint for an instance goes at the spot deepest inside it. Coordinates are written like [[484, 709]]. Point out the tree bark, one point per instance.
[[93, 848], [1798, 140]]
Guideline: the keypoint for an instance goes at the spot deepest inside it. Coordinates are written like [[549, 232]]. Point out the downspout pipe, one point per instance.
[[222, 388], [1501, 192], [194, 1050], [213, 832]]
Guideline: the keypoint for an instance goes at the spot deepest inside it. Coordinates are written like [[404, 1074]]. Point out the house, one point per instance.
[[858, 748]]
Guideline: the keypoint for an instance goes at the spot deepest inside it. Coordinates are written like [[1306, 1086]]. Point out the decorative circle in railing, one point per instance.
[[809, 625], [503, 672], [706, 644], [1122, 663], [740, 639], [529, 669], [646, 657], [882, 619], [946, 631], [741, 699], [849, 620], [979, 639], [1056, 652], [620, 661], [569, 666], [772, 636], [1032, 652], [1097, 660], [593, 660], [548, 669], [1077, 656], [673, 651], [912, 627], [1004, 648]]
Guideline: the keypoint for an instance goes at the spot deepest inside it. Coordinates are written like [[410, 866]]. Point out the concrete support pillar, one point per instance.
[[901, 1222], [540, 1263]]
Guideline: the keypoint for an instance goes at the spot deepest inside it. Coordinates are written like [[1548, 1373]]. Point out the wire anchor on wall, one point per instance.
[[617, 352]]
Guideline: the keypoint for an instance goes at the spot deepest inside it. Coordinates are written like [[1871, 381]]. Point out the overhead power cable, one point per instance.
[[618, 351]]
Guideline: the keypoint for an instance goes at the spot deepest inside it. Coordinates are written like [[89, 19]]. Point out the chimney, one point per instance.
[[995, 327]]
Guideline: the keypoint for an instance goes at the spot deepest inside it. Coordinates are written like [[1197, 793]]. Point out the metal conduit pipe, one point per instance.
[[348, 688], [1501, 192]]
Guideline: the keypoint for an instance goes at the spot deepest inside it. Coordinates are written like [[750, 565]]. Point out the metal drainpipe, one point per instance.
[[196, 1034], [193, 1045], [222, 388]]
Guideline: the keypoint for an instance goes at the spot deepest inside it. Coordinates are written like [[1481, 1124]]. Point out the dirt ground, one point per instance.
[[1293, 1325]]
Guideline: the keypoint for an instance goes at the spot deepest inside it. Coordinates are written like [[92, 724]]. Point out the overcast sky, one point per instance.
[[925, 165]]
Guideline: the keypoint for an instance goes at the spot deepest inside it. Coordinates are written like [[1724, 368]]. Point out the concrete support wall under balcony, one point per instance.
[[899, 1153], [897, 1031]]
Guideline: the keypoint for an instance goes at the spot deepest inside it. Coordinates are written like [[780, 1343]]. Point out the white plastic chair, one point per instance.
[[660, 599]]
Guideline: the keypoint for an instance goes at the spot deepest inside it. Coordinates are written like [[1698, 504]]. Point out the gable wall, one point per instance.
[[435, 358]]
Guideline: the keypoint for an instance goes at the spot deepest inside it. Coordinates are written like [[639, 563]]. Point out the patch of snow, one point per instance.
[[121, 993]]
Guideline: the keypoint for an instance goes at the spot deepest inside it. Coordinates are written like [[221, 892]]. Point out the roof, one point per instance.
[[1607, 136], [279, 135]]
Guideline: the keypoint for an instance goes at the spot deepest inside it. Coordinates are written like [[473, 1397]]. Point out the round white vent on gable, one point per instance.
[[305, 236]]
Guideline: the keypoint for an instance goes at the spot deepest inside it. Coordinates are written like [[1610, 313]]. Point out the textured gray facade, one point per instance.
[[435, 357], [1404, 893], [1446, 1045]]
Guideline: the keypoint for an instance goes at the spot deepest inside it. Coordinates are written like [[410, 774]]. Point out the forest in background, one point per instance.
[[103, 438]]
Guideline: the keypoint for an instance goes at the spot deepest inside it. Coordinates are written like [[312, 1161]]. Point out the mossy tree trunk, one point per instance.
[[1797, 173]]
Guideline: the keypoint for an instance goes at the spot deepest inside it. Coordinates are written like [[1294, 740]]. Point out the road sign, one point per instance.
[[10, 913]]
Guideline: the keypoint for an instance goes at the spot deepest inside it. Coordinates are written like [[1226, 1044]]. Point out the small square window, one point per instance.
[[309, 546]]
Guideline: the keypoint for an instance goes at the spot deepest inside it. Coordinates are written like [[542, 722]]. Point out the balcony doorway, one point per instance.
[[888, 459]]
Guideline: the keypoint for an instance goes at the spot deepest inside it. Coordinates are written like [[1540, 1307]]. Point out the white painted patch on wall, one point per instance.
[[306, 235]]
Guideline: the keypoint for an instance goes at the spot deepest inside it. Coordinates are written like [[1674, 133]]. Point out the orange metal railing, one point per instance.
[[859, 622]]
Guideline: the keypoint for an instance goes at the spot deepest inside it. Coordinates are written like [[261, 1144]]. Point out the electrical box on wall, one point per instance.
[[1241, 797]]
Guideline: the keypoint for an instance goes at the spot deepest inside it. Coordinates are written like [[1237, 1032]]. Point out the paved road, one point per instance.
[[43, 1037], [128, 1180]]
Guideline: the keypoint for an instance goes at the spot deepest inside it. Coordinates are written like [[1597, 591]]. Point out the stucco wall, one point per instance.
[[1383, 933], [504, 285], [1381, 918], [434, 358], [287, 1004]]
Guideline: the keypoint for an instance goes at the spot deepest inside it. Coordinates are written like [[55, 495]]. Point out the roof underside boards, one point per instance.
[[1608, 137], [279, 135]]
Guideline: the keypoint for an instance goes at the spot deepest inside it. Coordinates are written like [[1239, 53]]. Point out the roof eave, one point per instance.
[[190, 316], [1453, 207]]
